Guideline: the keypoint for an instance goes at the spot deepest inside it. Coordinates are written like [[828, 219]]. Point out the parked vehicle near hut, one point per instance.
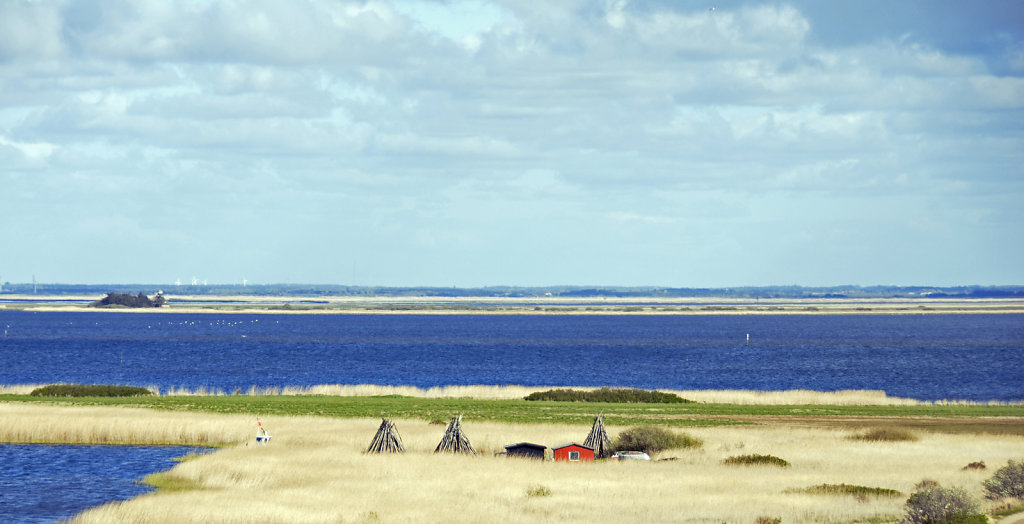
[[630, 455]]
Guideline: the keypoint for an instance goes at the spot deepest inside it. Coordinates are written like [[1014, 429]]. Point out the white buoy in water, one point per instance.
[[748, 338]]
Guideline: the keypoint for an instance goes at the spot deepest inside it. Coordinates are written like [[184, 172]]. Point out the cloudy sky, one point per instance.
[[512, 142]]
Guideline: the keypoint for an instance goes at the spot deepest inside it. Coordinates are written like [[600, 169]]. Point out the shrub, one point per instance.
[[765, 519], [98, 390], [975, 465], [652, 439], [1008, 481], [934, 504], [887, 435], [538, 491], [606, 394], [756, 460], [850, 489]]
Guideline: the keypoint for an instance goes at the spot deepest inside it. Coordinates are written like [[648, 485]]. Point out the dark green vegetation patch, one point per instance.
[[652, 439], [850, 489], [611, 395], [97, 390], [887, 435], [756, 460]]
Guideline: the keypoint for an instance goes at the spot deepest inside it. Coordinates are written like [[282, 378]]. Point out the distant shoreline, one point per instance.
[[423, 305]]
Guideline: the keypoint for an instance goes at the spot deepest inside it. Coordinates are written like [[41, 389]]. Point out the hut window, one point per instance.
[[574, 455]]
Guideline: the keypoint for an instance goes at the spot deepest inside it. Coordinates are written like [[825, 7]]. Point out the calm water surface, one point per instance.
[[47, 483], [974, 357]]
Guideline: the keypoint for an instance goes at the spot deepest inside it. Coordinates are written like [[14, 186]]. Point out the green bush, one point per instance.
[[606, 394], [97, 390], [756, 460], [934, 504], [538, 491], [887, 435], [652, 439], [850, 489], [1008, 481]]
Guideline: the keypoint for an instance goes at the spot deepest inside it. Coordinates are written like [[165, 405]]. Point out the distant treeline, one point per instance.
[[307, 290]]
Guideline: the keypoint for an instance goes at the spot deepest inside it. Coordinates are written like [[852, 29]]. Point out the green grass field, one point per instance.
[[1010, 417]]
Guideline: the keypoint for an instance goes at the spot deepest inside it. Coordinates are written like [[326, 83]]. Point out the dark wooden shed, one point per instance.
[[573, 453], [525, 450]]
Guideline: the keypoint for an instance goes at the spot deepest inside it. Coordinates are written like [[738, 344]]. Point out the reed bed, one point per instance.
[[315, 470], [507, 392], [857, 397], [485, 392], [40, 424], [19, 389]]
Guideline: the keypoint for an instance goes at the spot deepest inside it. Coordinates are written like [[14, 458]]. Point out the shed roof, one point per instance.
[[572, 444], [525, 445]]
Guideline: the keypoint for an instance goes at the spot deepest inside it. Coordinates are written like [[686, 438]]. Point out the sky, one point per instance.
[[512, 142]]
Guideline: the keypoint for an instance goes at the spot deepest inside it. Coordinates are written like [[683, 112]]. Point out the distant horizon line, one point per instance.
[[247, 284]]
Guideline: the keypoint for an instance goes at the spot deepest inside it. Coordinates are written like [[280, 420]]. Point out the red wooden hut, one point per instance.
[[573, 453]]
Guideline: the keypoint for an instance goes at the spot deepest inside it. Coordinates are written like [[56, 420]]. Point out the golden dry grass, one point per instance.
[[852, 397], [19, 389], [315, 470], [105, 425], [859, 397]]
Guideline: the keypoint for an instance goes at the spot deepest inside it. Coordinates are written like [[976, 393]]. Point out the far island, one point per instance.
[[132, 301]]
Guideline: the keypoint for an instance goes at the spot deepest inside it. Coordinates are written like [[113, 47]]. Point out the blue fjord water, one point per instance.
[[930, 357], [41, 483]]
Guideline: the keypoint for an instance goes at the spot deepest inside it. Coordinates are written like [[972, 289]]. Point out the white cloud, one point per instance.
[[649, 128], [34, 152], [30, 31]]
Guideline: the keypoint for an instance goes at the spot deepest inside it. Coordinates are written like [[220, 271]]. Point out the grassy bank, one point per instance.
[[846, 397], [520, 411], [947, 418]]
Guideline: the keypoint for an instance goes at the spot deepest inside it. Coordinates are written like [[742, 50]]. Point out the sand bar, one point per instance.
[[531, 305]]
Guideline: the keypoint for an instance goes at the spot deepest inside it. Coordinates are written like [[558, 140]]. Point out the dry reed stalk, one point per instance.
[[19, 389], [201, 391], [797, 397], [485, 392], [315, 470], [33, 423]]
